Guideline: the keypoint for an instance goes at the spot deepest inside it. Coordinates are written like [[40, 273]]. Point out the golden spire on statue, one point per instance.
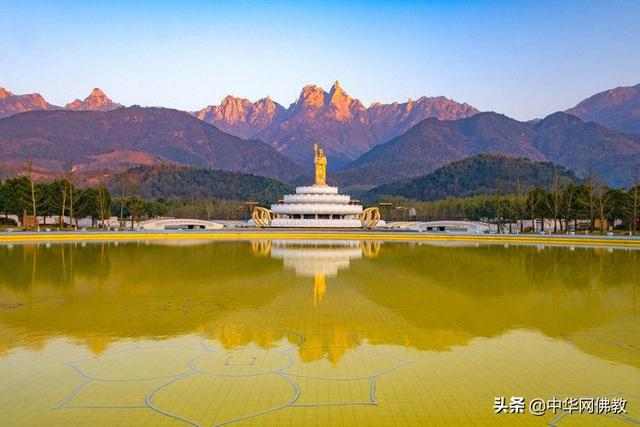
[[320, 162]]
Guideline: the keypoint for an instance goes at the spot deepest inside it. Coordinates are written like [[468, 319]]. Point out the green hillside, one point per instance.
[[478, 175], [168, 181]]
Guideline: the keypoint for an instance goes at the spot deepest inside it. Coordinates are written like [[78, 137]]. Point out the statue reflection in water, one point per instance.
[[316, 258]]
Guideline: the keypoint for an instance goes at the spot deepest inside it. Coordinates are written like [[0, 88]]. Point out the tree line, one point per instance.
[[61, 199], [566, 208], [565, 205], [67, 203], [24, 197]]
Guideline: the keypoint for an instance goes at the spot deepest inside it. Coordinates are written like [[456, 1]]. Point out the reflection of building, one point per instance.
[[317, 259], [309, 258], [318, 205]]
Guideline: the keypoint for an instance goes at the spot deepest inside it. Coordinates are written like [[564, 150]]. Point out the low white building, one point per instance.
[[179, 224], [451, 226]]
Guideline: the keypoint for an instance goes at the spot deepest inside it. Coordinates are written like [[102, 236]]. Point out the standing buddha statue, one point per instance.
[[320, 162]]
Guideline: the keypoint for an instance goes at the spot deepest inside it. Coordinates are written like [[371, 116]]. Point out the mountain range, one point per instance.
[[11, 104], [366, 146], [617, 108], [334, 120], [483, 174], [91, 141], [342, 125], [560, 137]]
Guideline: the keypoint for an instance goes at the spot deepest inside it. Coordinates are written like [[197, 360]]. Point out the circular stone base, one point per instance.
[[317, 189], [317, 223]]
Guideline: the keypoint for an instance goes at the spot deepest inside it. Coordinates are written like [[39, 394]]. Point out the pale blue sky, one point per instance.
[[524, 59]]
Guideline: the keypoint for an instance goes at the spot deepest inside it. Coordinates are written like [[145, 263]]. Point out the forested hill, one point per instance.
[[168, 181], [481, 174], [559, 138]]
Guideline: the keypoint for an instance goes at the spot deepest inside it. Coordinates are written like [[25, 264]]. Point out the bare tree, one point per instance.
[[128, 191], [634, 201], [498, 207], [588, 199], [603, 204], [72, 194], [63, 195], [103, 203], [519, 201], [554, 200], [535, 198], [33, 193], [570, 206]]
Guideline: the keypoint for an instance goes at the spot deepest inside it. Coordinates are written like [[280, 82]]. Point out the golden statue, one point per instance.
[[320, 162]]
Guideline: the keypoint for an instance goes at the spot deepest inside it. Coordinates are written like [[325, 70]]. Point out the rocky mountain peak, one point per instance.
[[96, 101], [337, 94], [410, 103], [264, 112], [232, 100], [336, 89], [4, 93], [241, 117], [39, 101], [266, 105], [343, 107], [311, 96], [76, 104], [97, 93], [11, 103], [232, 110]]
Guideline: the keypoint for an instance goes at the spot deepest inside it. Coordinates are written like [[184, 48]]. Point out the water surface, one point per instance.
[[321, 333]]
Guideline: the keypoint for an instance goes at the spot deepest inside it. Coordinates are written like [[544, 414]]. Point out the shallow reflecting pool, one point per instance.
[[320, 333]]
